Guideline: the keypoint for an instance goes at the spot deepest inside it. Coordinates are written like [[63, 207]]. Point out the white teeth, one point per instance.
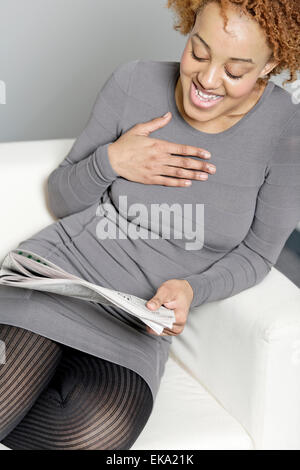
[[206, 97]]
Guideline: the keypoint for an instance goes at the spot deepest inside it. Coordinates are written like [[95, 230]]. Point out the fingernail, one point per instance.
[[206, 154], [166, 115], [151, 304]]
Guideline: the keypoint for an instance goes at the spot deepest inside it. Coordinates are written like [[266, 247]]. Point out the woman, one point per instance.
[[85, 376]]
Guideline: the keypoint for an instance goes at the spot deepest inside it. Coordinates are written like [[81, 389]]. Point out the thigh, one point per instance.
[[28, 362], [90, 404]]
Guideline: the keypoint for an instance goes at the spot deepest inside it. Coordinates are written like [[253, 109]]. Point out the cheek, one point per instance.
[[185, 61], [240, 90]]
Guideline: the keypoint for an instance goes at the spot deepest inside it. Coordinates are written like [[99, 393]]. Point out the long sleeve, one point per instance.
[[277, 214], [86, 172]]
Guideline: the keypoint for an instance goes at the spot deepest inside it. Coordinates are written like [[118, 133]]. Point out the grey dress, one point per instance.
[[251, 206]]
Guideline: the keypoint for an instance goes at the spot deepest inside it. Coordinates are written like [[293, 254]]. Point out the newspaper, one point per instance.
[[25, 269]]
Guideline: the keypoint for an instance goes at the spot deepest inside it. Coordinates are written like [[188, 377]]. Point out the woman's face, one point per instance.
[[218, 68]]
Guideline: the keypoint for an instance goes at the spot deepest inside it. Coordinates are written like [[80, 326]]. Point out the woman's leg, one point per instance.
[[90, 404], [28, 362]]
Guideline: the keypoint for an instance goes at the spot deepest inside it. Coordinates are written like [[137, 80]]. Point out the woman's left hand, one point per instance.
[[177, 295]]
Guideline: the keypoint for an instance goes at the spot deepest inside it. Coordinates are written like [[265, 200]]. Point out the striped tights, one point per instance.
[[54, 397]]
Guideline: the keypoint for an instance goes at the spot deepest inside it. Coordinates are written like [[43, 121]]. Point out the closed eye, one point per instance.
[[234, 77]]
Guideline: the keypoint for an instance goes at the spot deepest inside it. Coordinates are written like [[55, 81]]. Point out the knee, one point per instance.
[[104, 418], [89, 405]]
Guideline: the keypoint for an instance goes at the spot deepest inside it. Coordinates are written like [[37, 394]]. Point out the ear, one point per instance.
[[268, 68]]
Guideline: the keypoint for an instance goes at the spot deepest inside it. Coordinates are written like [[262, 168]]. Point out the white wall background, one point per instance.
[[55, 55]]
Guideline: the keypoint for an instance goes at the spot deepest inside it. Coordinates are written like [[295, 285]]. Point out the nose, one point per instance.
[[210, 79]]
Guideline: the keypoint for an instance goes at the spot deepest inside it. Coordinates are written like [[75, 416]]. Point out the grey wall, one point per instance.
[[56, 54]]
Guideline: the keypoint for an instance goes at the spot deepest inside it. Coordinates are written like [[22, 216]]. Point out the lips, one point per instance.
[[203, 103], [206, 92]]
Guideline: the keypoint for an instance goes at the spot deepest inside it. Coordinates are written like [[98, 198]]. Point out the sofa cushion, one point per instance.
[[186, 416]]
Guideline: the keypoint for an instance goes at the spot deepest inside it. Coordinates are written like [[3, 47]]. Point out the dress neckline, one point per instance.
[[177, 116]]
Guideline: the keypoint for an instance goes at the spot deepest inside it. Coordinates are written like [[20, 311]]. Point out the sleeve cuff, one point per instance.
[[103, 164], [201, 289]]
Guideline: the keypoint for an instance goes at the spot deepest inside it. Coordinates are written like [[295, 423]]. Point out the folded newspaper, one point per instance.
[[28, 270]]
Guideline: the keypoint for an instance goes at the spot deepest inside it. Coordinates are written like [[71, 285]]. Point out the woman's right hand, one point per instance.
[[140, 158]]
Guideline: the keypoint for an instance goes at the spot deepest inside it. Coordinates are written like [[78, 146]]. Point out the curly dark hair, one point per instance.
[[280, 20]]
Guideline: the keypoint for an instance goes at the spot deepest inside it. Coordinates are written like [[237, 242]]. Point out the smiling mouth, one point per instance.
[[202, 91]]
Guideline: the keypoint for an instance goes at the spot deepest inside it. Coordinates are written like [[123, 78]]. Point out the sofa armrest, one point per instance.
[[246, 351], [24, 171]]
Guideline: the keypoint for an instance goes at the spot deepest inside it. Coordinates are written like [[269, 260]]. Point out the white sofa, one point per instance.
[[232, 380]]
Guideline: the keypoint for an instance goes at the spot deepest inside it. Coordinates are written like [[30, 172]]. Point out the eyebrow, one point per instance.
[[236, 59]]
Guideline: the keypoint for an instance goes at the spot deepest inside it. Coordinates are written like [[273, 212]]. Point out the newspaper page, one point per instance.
[[25, 269]]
